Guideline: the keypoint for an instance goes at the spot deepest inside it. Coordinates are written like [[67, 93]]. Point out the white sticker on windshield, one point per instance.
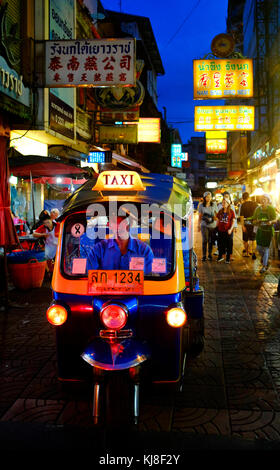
[[159, 265]]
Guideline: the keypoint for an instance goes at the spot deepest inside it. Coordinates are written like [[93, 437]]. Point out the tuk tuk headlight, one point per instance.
[[57, 314], [176, 317], [113, 316]]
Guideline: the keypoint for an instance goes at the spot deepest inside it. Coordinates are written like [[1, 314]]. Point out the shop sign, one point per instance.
[[11, 84], [149, 130], [103, 156], [229, 118], [83, 125], [120, 98], [62, 100], [118, 134], [216, 135], [176, 153], [61, 116], [100, 62], [216, 146], [116, 116], [223, 78]]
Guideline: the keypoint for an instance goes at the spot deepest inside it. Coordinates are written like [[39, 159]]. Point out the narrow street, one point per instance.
[[231, 392]]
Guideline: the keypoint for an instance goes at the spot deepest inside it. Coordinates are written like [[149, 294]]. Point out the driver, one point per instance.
[[118, 252]]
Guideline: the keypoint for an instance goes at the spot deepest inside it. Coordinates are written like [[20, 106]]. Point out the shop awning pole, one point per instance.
[[32, 195]]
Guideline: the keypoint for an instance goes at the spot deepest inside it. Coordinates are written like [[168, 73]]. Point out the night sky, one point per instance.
[[183, 30]]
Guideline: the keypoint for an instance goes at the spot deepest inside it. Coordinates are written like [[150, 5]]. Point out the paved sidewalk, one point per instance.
[[231, 393]]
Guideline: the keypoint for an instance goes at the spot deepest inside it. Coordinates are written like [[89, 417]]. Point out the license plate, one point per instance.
[[115, 282]]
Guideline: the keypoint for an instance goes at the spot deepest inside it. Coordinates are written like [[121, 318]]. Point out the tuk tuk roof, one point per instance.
[[164, 190]]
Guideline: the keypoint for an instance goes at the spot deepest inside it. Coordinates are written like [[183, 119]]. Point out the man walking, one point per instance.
[[247, 210]]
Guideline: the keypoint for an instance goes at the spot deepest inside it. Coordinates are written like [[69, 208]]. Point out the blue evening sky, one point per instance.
[[183, 30]]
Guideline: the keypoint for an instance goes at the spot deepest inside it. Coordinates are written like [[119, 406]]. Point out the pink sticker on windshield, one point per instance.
[[79, 265], [159, 265]]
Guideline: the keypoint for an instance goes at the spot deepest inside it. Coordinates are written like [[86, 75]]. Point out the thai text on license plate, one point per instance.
[[115, 282]]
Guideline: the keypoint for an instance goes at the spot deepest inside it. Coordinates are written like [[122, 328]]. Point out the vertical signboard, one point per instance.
[[176, 155], [62, 100]]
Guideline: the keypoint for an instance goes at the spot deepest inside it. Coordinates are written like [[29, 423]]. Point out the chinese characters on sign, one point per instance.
[[100, 62], [223, 78], [229, 118]]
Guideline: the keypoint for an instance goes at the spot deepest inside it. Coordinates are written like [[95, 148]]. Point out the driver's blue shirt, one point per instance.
[[107, 255]]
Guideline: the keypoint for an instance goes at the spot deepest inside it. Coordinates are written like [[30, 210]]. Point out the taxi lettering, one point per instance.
[[120, 180], [130, 180]]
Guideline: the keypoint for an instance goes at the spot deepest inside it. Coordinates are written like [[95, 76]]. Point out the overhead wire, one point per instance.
[[184, 21]]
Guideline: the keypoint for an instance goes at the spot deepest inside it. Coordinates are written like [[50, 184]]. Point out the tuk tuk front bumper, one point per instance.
[[116, 354]]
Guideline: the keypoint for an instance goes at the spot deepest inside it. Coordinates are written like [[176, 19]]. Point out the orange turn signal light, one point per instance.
[[57, 315], [176, 317]]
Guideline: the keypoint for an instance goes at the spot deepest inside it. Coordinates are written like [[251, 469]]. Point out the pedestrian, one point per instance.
[[207, 224], [264, 217], [42, 215], [227, 196], [226, 220], [48, 231], [54, 213], [247, 210]]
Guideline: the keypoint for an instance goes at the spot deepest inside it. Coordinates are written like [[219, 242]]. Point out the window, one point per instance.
[[119, 243]]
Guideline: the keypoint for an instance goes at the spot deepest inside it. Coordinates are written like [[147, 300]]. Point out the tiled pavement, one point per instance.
[[231, 392]]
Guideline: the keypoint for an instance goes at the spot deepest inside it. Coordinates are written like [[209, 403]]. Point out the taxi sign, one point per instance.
[[115, 282], [119, 180]]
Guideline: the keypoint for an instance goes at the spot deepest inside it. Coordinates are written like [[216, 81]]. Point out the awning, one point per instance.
[[21, 166]]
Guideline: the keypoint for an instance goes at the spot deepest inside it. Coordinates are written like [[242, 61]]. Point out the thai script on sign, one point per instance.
[[223, 78], [230, 118], [101, 62]]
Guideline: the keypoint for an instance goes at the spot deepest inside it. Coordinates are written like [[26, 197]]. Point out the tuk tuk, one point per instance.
[[127, 305]]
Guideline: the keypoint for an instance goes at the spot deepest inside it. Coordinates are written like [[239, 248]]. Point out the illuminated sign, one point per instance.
[[95, 63], [230, 118], [120, 180], [123, 134], [216, 135], [216, 145], [100, 157], [223, 78], [184, 156], [149, 130], [176, 153]]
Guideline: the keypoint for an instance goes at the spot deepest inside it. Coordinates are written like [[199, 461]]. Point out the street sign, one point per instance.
[[100, 156]]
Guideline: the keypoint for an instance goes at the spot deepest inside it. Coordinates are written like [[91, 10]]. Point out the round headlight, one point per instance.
[[176, 317], [113, 316], [57, 315]]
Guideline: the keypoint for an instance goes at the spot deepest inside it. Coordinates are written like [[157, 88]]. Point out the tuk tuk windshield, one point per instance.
[[118, 243]]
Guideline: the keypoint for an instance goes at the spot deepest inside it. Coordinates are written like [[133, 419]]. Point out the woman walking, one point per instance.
[[226, 220], [264, 217], [207, 224]]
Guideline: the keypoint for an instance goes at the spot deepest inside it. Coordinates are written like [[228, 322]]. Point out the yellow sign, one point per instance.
[[223, 78], [216, 146], [216, 135], [119, 180], [149, 130], [229, 118]]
